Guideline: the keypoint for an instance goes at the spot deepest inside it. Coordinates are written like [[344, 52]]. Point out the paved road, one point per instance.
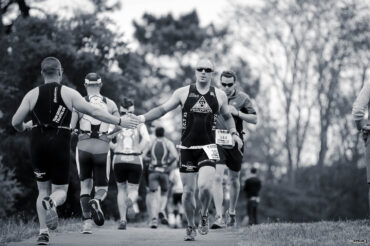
[[140, 237]]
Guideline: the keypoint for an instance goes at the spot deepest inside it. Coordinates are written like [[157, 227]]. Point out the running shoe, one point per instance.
[[154, 223], [96, 212], [218, 223], [191, 232], [230, 218], [122, 225], [87, 227], [51, 213], [203, 225], [163, 217], [43, 239]]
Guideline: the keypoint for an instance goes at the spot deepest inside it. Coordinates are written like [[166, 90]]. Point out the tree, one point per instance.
[[307, 46]]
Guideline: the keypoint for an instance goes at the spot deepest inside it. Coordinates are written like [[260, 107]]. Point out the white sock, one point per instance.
[[232, 212], [44, 230]]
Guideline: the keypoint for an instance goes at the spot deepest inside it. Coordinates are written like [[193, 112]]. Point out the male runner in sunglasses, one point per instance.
[[242, 110], [201, 104]]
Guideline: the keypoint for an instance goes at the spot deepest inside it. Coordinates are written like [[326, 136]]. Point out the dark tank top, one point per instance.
[[199, 117], [50, 111], [159, 154]]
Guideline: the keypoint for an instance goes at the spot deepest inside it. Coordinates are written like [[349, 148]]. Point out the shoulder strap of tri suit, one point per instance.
[[193, 88], [87, 98], [105, 100]]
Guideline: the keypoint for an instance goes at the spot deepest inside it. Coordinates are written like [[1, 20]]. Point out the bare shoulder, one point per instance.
[[31, 97], [111, 103], [69, 96], [182, 93], [33, 93], [68, 91], [181, 90]]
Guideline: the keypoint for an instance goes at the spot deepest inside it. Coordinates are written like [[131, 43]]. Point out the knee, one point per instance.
[[205, 187], [234, 177], [187, 193], [218, 178]]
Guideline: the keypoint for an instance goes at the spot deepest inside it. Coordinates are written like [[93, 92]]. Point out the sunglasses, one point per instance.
[[227, 84], [207, 70]]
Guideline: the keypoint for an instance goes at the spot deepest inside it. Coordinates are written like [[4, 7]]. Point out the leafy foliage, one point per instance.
[[9, 190]]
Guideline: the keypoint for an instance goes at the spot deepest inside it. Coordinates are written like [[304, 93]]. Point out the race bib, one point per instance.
[[212, 152], [223, 137]]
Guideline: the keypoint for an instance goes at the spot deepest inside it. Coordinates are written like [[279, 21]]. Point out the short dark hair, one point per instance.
[[51, 66], [159, 131], [228, 74], [127, 102], [253, 170]]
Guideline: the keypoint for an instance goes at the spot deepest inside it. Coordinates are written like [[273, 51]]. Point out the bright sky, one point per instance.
[[208, 10]]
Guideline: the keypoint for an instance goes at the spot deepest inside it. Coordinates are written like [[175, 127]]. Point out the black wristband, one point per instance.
[[235, 133]]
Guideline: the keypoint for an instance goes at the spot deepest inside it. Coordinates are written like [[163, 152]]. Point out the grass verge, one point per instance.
[[306, 234]]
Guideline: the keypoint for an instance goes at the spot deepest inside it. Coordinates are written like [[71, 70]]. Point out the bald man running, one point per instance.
[[201, 104]]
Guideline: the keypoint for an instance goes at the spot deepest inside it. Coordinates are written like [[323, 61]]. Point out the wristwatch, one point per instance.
[[235, 133]]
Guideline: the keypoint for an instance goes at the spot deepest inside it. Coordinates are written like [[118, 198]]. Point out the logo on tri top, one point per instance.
[[201, 106], [192, 94], [39, 174]]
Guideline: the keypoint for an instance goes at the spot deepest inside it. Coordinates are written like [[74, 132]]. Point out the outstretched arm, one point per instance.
[[80, 104], [161, 110]]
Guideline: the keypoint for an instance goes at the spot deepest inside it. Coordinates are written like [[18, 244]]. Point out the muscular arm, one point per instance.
[[225, 113], [247, 113], [113, 109], [80, 104], [74, 119], [145, 138], [146, 149], [250, 118], [161, 110], [23, 110]]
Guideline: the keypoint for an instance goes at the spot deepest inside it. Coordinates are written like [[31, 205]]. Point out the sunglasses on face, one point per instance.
[[206, 69], [227, 84]]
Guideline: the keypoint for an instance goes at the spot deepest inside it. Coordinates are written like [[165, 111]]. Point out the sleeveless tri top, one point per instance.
[[91, 127], [199, 117], [50, 110], [159, 155], [128, 141]]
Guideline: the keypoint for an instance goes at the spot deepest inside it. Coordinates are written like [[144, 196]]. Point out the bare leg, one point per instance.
[[205, 184], [234, 190], [121, 199], [188, 198], [44, 191], [154, 198], [217, 190], [85, 196]]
